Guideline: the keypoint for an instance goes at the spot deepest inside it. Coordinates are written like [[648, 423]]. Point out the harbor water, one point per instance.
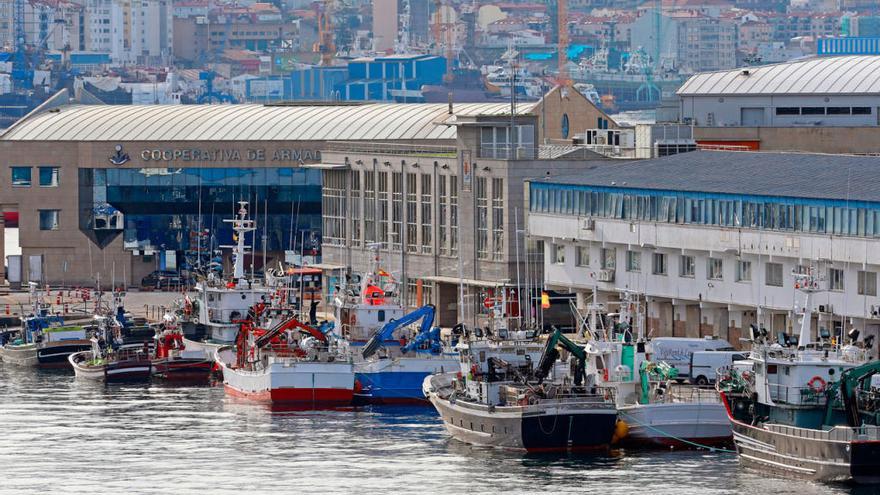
[[58, 435]]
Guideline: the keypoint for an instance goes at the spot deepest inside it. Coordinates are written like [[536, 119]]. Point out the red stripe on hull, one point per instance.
[[317, 397]]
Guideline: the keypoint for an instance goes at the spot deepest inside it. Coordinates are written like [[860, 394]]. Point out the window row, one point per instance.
[[787, 111], [773, 275], [48, 176], [781, 215]]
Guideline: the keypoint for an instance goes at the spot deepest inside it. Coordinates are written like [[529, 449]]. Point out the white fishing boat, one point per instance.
[[657, 411]]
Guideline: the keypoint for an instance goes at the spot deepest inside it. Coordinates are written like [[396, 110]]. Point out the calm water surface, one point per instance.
[[60, 435]]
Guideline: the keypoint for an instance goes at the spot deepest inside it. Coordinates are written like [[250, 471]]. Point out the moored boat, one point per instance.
[[805, 409], [501, 398], [276, 365], [172, 361], [127, 364]]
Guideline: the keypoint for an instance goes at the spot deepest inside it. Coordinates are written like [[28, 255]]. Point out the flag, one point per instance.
[[545, 300], [383, 273]]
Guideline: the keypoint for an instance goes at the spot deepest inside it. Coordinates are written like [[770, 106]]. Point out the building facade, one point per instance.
[[114, 192], [712, 240], [447, 219]]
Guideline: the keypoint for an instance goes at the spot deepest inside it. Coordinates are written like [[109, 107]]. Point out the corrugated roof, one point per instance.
[[794, 175], [379, 122], [821, 75]]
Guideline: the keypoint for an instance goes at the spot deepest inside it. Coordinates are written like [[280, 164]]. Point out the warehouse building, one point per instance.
[[712, 239], [822, 104], [115, 192]]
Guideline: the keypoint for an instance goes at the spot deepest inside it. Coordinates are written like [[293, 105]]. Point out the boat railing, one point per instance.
[[786, 394], [692, 394], [836, 434]]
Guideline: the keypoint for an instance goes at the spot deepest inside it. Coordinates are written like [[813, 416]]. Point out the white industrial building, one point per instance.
[[817, 92], [712, 239]]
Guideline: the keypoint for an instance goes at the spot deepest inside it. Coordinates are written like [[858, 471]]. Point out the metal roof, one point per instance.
[[377, 122], [793, 175], [850, 75]]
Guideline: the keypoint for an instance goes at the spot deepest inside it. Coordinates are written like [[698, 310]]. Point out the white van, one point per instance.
[[677, 351], [704, 364]]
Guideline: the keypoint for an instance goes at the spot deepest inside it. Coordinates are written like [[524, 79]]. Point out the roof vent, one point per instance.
[[746, 72]]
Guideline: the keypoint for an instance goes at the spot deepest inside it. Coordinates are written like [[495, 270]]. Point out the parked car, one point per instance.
[[165, 279], [705, 363]]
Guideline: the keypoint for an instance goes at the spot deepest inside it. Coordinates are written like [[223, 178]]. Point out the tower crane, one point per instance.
[[443, 30], [563, 41], [325, 45]]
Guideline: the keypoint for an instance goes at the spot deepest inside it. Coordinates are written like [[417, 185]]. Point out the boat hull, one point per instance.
[[183, 369], [398, 381], [55, 355], [19, 355], [289, 382], [677, 424], [784, 452], [126, 371], [544, 427]]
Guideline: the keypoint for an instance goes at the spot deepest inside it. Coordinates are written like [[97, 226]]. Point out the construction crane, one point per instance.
[[563, 41], [325, 45], [443, 31]]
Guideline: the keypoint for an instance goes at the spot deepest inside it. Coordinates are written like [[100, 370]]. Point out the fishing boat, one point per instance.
[[44, 339], [391, 358], [212, 317], [806, 409], [517, 394], [172, 361], [658, 411], [111, 359], [281, 361]]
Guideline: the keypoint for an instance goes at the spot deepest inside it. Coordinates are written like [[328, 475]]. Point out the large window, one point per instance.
[[714, 269], [442, 214], [382, 226], [396, 210], [49, 176], [867, 283], [686, 265], [354, 207], [334, 210], [774, 274], [49, 219], [835, 279], [743, 271], [633, 261], [426, 210], [497, 219], [557, 254], [482, 219], [370, 207], [609, 258], [659, 267], [453, 215], [21, 176], [412, 219], [582, 256]]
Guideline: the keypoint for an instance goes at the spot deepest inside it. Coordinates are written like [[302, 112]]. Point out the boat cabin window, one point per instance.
[[520, 352], [771, 369], [381, 315], [786, 370], [482, 356], [211, 297]]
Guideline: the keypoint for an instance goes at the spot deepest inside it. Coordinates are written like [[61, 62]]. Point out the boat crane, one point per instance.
[[426, 334], [551, 354], [852, 382]]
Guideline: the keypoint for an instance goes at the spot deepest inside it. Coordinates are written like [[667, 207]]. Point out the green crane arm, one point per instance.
[[850, 382], [550, 354]]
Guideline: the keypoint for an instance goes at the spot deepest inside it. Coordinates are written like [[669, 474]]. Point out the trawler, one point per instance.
[[805, 409], [391, 359], [657, 411], [213, 316], [283, 362], [516, 393]]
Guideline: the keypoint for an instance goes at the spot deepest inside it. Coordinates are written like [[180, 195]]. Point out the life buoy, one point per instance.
[[817, 384], [605, 374]]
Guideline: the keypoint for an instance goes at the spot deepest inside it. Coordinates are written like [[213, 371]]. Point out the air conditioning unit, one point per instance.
[[588, 224], [605, 275]]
